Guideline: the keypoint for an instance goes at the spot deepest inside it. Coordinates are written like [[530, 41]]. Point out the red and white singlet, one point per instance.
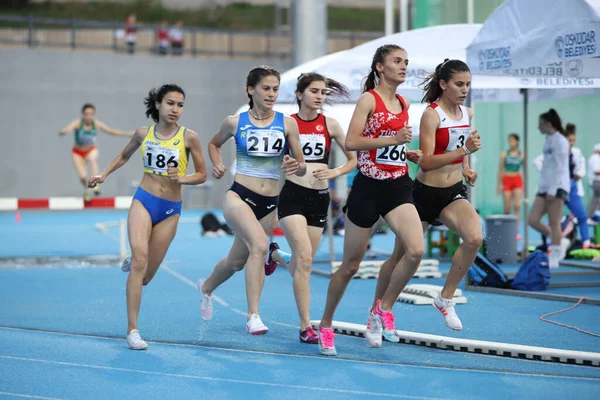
[[387, 162], [314, 139], [450, 134]]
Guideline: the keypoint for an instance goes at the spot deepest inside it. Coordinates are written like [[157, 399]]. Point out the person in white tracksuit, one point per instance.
[[554, 184]]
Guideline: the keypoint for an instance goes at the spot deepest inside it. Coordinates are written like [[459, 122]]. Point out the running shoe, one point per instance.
[[446, 307]]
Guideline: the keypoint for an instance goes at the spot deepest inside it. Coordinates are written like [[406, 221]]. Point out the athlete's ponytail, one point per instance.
[[372, 80], [156, 96], [334, 88], [552, 117], [255, 75], [443, 72]]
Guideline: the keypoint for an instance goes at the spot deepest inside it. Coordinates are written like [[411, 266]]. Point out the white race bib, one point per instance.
[[313, 146], [264, 143], [158, 159], [457, 138], [392, 155]]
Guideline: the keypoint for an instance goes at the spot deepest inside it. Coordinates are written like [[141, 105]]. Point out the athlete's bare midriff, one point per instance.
[[445, 176], [261, 186], [161, 186], [308, 180]]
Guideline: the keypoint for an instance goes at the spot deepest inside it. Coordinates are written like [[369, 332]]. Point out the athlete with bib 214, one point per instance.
[[262, 136], [156, 207]]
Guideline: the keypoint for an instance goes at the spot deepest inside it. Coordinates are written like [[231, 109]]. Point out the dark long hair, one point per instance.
[[335, 88], [255, 75], [379, 57], [570, 129], [156, 96], [553, 118], [444, 71]]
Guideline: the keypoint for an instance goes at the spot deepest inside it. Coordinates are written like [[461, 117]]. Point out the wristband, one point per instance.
[[467, 152]]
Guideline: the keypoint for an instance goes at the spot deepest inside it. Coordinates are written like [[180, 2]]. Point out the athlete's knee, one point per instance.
[[473, 241], [235, 264], [415, 253], [304, 260], [259, 248], [139, 262], [349, 268], [532, 220]]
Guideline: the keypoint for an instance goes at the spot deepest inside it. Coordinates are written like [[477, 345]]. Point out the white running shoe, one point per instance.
[[446, 307], [255, 325], [135, 342], [206, 309], [374, 333], [554, 257], [126, 264], [564, 246]]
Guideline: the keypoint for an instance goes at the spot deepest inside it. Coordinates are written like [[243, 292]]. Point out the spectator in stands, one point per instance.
[[176, 37], [131, 27], [162, 35]]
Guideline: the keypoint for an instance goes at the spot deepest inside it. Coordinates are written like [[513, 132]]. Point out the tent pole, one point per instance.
[[525, 214]]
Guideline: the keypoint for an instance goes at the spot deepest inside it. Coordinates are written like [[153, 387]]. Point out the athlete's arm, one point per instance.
[[122, 158], [354, 140], [225, 132], [115, 132], [69, 128], [293, 139], [192, 142], [337, 133]]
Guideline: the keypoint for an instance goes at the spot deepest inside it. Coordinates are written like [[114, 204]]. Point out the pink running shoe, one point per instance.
[[387, 319], [326, 344]]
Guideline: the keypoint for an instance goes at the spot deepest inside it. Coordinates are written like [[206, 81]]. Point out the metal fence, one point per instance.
[[108, 36]]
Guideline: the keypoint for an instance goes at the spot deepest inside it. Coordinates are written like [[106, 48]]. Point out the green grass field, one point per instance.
[[235, 16]]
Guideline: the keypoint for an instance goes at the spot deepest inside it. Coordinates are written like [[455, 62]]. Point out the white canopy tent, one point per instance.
[[523, 37], [427, 48]]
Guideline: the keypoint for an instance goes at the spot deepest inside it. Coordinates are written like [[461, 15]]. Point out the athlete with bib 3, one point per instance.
[[156, 207], [261, 138], [84, 149], [440, 195], [379, 131], [304, 201]]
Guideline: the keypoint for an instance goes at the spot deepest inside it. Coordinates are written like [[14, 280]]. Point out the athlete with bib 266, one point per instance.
[[261, 138], [156, 207], [379, 131], [304, 201], [84, 149]]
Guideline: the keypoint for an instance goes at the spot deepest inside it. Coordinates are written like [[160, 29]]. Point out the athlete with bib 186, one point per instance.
[[262, 136], [156, 207]]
